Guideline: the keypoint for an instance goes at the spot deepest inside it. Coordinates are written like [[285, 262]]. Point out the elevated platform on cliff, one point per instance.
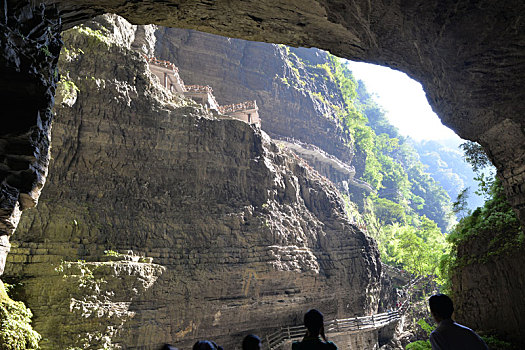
[[168, 75], [246, 111]]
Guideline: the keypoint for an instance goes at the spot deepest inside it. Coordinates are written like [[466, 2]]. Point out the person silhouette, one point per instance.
[[206, 345], [314, 323], [450, 335], [251, 342]]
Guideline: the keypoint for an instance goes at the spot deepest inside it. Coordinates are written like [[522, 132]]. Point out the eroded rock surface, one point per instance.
[[163, 224], [487, 276], [468, 56], [30, 43]]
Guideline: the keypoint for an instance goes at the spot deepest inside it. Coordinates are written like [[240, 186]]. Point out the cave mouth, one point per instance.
[[466, 115]]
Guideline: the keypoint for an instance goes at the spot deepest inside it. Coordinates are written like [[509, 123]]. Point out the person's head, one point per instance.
[[251, 342], [204, 345], [313, 321], [441, 307], [169, 347]]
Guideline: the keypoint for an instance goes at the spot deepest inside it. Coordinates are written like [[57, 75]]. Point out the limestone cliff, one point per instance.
[[284, 81], [297, 99], [160, 223]]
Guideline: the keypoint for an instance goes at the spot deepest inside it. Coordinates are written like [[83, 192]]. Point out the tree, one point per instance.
[[476, 156]]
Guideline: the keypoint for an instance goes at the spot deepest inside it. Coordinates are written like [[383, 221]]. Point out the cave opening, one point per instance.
[[466, 114]]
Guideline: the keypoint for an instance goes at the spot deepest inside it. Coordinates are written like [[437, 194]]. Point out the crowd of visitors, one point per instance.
[[448, 335]]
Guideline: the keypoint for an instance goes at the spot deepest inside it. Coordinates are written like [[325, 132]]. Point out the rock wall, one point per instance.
[[161, 224], [483, 280], [30, 43], [468, 56], [282, 81]]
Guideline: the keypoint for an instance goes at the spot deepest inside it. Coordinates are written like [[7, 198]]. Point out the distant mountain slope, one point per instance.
[[446, 166]]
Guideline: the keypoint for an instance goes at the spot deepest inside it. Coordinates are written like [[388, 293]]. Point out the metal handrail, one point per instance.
[[355, 324], [284, 334], [199, 88]]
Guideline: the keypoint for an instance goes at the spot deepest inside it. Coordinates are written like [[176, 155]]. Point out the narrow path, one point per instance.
[[353, 324]]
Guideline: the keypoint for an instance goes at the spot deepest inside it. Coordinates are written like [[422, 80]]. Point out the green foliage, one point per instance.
[[67, 87], [460, 206], [16, 332], [392, 166], [475, 155], [407, 202], [110, 252], [416, 249], [389, 212], [405, 198], [495, 227], [422, 344], [95, 36], [494, 343], [419, 345], [425, 326], [496, 215], [46, 51], [79, 271]]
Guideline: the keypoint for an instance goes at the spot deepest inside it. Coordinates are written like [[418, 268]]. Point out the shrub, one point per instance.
[[16, 332]]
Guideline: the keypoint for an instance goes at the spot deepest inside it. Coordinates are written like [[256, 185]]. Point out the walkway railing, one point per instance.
[[199, 88], [243, 106], [163, 63], [353, 324]]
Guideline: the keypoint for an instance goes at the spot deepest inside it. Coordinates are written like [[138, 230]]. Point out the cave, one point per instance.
[[468, 56]]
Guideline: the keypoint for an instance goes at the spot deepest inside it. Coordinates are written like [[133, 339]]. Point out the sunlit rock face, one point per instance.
[[160, 223], [297, 100], [284, 82]]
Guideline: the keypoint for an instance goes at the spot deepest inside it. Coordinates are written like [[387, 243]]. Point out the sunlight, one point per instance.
[[404, 101]]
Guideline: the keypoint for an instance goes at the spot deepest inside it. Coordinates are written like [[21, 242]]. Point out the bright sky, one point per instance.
[[403, 100]]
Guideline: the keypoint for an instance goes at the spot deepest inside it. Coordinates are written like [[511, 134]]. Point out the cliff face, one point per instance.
[[468, 56], [485, 279], [297, 101], [281, 79], [161, 224]]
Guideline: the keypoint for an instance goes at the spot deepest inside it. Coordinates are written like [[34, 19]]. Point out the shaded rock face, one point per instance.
[[30, 43], [468, 56], [161, 224], [486, 280]]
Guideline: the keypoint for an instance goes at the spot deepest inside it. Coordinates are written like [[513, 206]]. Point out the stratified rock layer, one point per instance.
[[287, 91], [161, 224], [468, 56]]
